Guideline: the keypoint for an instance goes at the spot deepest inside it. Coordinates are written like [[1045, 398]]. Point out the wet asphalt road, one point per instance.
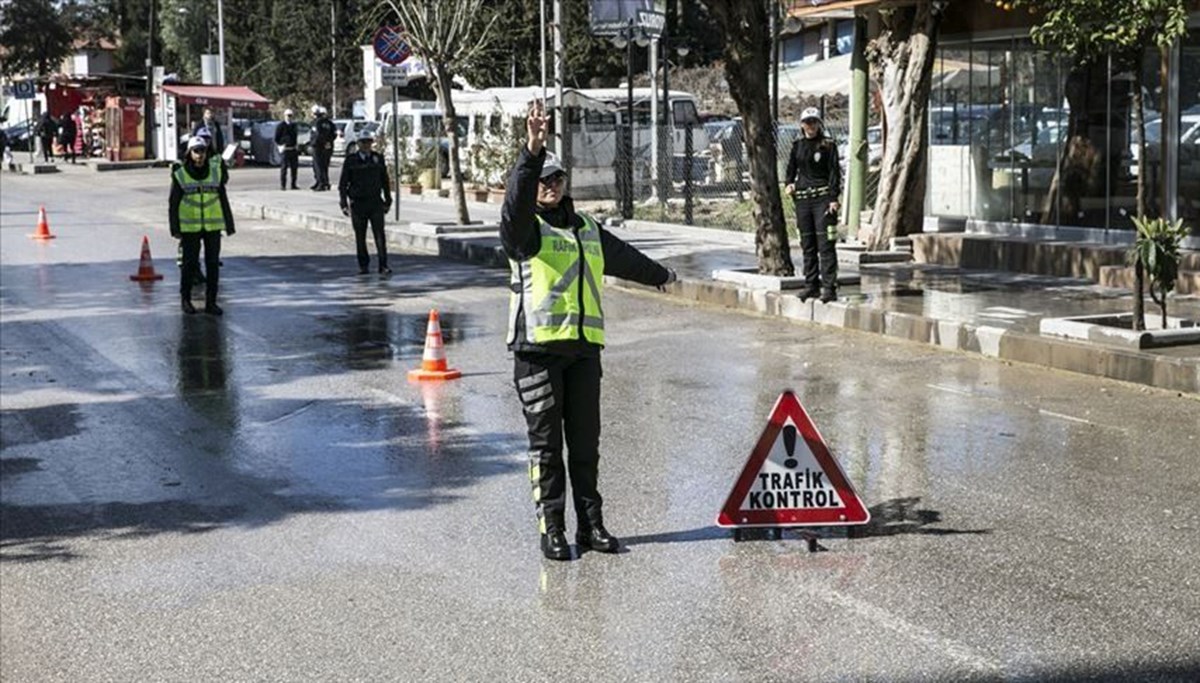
[[264, 496]]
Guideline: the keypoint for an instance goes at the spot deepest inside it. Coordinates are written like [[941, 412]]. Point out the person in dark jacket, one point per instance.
[[210, 128], [365, 196], [46, 129], [67, 131], [323, 134], [814, 180], [556, 331], [286, 138], [198, 210]]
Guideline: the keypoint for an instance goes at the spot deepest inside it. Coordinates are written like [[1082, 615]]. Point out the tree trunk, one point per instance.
[[747, 50], [903, 57], [443, 80]]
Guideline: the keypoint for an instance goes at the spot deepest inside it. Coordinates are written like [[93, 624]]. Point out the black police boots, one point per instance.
[[809, 292], [187, 306], [828, 294], [554, 545], [597, 538]]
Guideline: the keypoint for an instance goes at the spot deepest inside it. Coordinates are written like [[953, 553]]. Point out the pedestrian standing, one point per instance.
[[814, 180], [323, 134], [286, 139], [365, 196], [46, 129], [6, 155], [559, 258], [67, 131], [210, 128], [199, 211]]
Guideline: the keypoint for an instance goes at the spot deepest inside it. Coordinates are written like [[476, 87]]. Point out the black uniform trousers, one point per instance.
[[321, 159], [360, 217], [560, 396], [191, 241], [290, 161], [818, 241]]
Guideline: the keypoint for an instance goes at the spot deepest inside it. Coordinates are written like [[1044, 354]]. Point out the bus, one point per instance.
[[496, 116]]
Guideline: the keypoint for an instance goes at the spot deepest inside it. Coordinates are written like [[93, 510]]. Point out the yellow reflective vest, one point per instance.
[[200, 208], [558, 289]]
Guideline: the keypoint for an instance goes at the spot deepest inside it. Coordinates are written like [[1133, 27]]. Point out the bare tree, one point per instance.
[[744, 25], [903, 59], [447, 35]]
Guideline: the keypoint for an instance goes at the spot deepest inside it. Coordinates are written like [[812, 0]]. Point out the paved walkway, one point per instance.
[[993, 313]]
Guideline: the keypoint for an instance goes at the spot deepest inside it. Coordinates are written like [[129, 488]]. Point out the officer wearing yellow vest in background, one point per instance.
[[556, 330], [199, 211]]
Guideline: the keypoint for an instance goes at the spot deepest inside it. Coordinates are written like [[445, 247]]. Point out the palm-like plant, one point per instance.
[[1156, 252]]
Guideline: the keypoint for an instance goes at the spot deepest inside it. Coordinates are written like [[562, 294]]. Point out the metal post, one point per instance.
[[396, 146], [856, 184], [627, 209], [542, 24], [687, 173], [149, 108], [775, 67], [221, 41], [666, 146], [333, 56], [559, 119]]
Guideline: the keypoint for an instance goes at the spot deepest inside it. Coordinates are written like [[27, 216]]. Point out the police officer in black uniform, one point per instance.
[[556, 330], [323, 135], [814, 179], [286, 139], [365, 195]]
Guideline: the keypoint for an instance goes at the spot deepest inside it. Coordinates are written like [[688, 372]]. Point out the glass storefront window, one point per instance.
[[1019, 134]]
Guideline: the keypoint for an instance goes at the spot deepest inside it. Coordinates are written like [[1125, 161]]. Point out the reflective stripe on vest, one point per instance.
[[549, 288], [200, 208]]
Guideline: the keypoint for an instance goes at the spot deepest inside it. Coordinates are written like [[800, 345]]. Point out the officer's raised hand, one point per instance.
[[536, 126]]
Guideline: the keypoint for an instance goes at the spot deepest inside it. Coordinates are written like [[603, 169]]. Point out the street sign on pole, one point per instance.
[[394, 75], [390, 45], [24, 90]]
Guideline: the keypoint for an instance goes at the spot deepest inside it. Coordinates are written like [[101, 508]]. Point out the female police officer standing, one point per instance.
[[556, 330], [814, 179], [199, 211]]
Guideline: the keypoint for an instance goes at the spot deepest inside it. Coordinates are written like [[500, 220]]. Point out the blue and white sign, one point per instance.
[[24, 90]]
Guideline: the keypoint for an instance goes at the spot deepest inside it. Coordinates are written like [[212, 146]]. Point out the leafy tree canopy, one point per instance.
[[35, 36]]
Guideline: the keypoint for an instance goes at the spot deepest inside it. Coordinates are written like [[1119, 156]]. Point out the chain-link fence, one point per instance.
[[700, 174]]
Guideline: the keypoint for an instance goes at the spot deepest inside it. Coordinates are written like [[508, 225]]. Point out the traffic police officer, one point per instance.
[[323, 135], [286, 138], [365, 195], [814, 179], [556, 330], [199, 211]]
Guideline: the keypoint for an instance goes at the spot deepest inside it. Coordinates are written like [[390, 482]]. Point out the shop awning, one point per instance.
[[232, 96]]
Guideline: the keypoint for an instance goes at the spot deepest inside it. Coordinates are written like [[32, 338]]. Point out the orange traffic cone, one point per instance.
[[145, 271], [433, 363], [43, 227]]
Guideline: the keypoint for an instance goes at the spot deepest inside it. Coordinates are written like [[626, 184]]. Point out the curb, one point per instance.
[[1164, 372]]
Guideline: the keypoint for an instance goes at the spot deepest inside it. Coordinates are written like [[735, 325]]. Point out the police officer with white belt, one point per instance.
[[556, 330], [814, 179]]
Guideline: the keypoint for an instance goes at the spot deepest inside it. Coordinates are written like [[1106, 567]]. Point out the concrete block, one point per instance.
[[833, 313], [989, 340], [792, 308], [910, 327], [862, 318], [1025, 348], [950, 335], [1176, 374], [747, 277]]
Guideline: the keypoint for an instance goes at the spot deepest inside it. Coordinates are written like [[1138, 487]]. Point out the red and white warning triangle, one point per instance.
[[791, 479]]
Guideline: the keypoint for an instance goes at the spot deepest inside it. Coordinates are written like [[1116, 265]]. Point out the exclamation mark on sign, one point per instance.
[[789, 443]]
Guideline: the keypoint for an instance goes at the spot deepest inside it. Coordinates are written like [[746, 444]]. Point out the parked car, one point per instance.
[[20, 136], [350, 128], [262, 141], [355, 127]]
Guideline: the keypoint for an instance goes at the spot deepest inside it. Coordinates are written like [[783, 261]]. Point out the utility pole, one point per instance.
[[333, 56], [149, 106], [559, 109]]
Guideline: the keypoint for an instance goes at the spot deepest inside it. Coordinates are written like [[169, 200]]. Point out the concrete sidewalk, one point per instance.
[[996, 314]]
